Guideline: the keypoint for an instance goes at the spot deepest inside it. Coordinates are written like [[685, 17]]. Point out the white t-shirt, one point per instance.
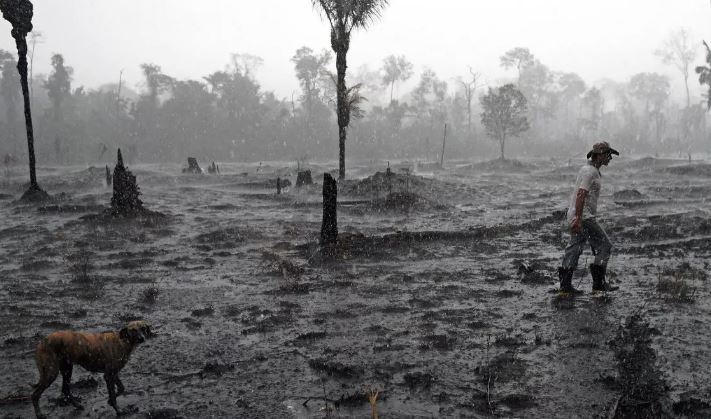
[[588, 179]]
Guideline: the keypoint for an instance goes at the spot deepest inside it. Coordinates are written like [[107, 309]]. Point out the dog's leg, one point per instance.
[[48, 371], [119, 386], [66, 367], [110, 378]]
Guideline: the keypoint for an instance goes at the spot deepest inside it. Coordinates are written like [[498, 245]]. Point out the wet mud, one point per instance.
[[440, 294]]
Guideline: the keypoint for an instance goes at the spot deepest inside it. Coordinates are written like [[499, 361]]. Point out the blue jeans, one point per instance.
[[592, 233]]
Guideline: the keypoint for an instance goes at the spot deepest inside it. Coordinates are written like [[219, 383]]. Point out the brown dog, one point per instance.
[[105, 352]]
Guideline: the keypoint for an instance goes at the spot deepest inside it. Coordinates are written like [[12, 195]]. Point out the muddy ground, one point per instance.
[[440, 296]]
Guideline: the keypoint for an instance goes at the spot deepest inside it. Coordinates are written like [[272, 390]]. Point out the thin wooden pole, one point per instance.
[[444, 141]]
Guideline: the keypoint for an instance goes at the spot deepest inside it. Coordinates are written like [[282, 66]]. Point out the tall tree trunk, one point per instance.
[[22, 69], [502, 141], [329, 222], [444, 141], [469, 116], [686, 85], [342, 108]]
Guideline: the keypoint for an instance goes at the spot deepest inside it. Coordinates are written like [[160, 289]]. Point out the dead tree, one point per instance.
[[278, 185], [329, 225], [19, 14], [109, 178]]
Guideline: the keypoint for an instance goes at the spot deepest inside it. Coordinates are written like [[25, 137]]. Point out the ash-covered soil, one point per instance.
[[440, 296]]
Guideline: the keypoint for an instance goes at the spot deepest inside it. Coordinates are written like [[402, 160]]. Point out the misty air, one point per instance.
[[355, 209]]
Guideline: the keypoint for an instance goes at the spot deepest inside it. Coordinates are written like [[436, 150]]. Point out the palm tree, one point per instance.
[[19, 14], [344, 16]]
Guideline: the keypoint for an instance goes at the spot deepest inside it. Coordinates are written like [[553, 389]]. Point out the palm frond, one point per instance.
[[350, 13], [365, 12], [354, 100]]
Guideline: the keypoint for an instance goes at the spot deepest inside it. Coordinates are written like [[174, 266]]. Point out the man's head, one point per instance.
[[602, 152]]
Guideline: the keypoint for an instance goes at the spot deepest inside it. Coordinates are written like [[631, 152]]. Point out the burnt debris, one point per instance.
[[125, 200], [212, 169], [193, 166], [303, 177]]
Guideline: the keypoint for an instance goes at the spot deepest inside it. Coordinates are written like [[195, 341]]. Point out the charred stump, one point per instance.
[[329, 225], [109, 178], [388, 176], [278, 185], [193, 166], [213, 169], [125, 199], [303, 177]]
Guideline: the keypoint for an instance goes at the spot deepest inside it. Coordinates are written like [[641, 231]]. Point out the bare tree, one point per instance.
[[246, 63], [344, 16], [469, 87], [678, 51]]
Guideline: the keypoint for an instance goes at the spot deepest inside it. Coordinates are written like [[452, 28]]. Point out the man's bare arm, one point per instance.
[[579, 203]]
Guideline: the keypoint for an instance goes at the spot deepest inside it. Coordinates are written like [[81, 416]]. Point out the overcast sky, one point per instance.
[[190, 39]]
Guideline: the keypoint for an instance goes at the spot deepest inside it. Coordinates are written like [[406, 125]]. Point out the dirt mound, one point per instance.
[[569, 170], [396, 184], [499, 165], [701, 169], [631, 198], [650, 163], [627, 194]]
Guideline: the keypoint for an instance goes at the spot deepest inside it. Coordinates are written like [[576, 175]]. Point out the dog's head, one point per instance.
[[136, 332]]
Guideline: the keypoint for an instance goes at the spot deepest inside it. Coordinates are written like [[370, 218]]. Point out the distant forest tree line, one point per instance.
[[226, 116]]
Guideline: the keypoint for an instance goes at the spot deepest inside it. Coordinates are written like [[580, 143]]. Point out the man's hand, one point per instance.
[[576, 225]]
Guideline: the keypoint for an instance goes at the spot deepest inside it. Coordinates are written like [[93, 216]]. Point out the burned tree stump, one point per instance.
[[278, 185], [388, 176], [329, 225], [125, 199], [109, 178], [303, 177], [193, 166], [213, 169]]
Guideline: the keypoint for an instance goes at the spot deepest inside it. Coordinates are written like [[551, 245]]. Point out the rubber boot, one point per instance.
[[599, 283], [566, 281]]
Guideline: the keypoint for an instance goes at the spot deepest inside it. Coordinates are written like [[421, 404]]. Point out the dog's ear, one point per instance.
[[123, 333]]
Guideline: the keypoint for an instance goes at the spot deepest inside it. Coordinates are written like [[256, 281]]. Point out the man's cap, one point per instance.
[[601, 148]]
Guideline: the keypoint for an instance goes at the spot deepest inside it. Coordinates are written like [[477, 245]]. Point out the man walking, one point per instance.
[[582, 213]]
